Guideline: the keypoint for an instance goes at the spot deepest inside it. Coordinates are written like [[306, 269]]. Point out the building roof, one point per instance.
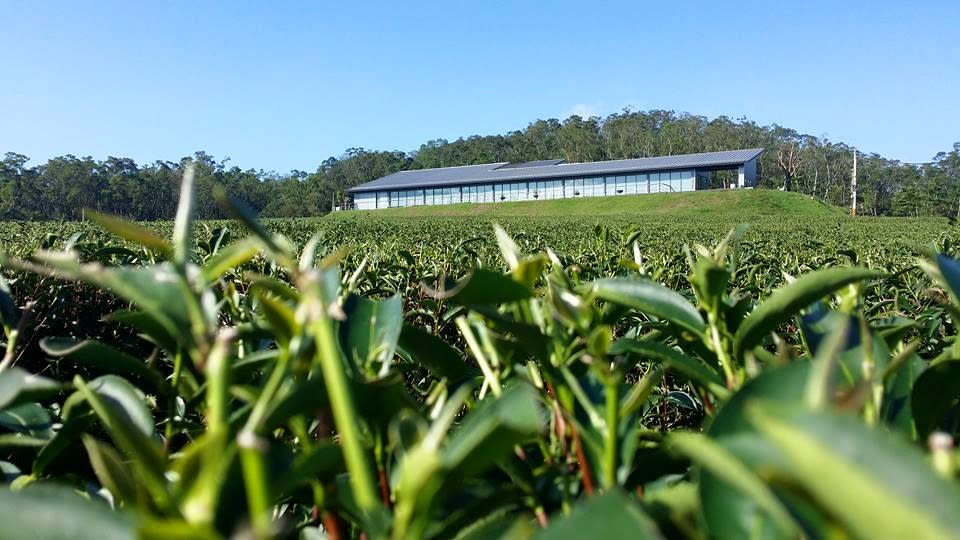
[[535, 170]]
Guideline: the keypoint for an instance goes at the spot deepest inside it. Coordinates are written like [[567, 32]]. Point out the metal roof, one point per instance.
[[502, 172], [528, 164]]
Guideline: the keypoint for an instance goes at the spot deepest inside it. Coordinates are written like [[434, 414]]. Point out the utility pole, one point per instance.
[[853, 186]]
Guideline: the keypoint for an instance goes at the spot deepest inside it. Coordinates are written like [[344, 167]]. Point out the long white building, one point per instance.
[[554, 179]]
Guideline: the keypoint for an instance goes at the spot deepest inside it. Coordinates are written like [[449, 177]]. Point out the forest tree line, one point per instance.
[[816, 166]]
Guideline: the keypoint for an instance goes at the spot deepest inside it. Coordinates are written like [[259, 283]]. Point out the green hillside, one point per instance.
[[752, 202]]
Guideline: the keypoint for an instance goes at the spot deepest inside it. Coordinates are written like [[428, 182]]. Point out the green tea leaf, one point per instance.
[[132, 232], [936, 391], [370, 333], [950, 271], [158, 290], [651, 298], [674, 360], [106, 359], [724, 465], [885, 487], [18, 386], [240, 211], [435, 354], [610, 515], [729, 514], [325, 460], [183, 223], [9, 312], [169, 529], [492, 429], [484, 287], [110, 469], [63, 442], [148, 327], [53, 513], [279, 315], [787, 301], [29, 419], [121, 409], [228, 258]]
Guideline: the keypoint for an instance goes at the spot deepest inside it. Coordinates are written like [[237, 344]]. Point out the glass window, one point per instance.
[[524, 191], [549, 190]]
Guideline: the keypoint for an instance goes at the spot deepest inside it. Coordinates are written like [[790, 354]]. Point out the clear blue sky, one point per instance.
[[284, 85]]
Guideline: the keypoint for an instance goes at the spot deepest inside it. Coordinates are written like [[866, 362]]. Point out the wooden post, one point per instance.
[[853, 186]]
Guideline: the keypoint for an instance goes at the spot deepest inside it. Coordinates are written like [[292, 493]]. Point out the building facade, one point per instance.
[[554, 179]]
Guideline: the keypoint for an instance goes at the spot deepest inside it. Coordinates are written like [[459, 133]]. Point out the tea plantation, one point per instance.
[[707, 365]]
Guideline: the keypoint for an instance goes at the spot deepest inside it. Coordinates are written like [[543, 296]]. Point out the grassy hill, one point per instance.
[[742, 203]]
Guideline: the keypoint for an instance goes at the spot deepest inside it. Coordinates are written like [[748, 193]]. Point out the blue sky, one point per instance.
[[284, 85]]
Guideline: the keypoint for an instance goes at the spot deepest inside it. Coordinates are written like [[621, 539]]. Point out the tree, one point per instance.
[[789, 161], [816, 166]]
